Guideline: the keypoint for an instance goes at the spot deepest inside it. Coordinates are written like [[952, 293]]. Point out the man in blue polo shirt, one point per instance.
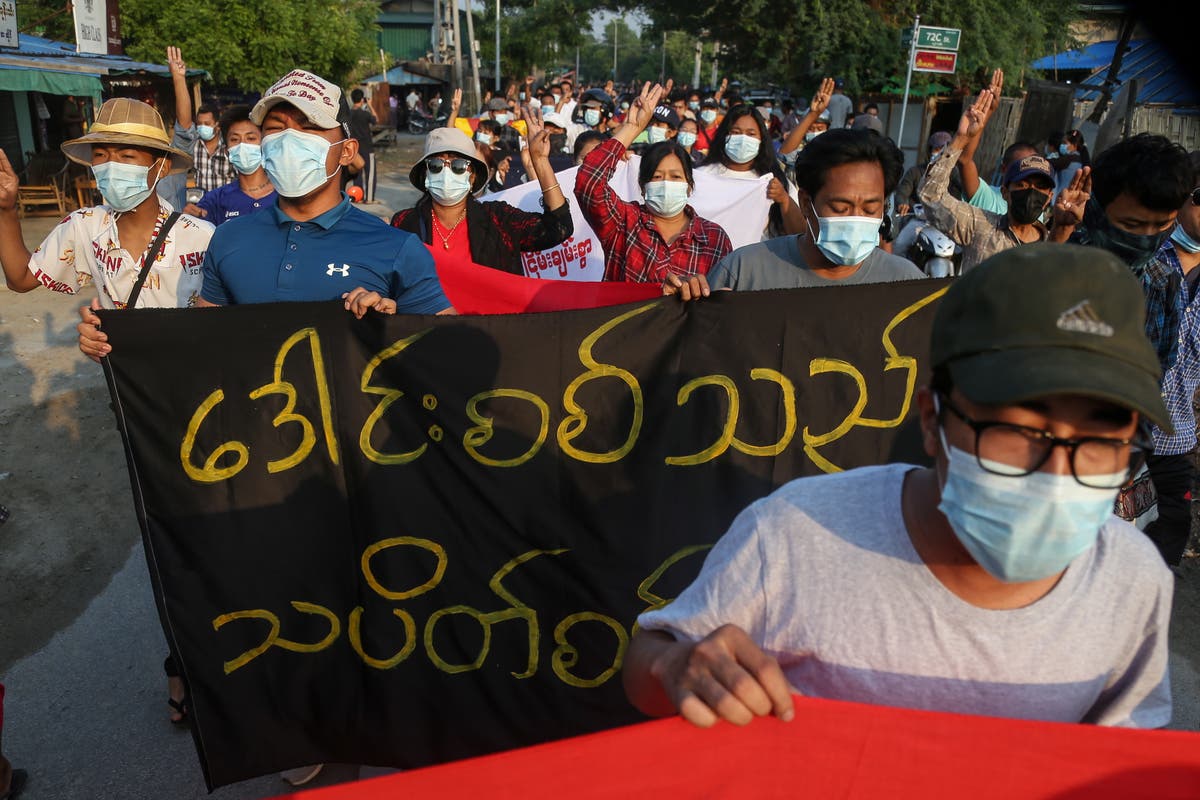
[[312, 244], [326, 248]]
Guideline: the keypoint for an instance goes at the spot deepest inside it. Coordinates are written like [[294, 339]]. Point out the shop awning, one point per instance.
[[35, 54], [1162, 80], [24, 79]]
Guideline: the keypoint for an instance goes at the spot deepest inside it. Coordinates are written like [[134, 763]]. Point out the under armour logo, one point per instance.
[[344, 269], [1082, 318]]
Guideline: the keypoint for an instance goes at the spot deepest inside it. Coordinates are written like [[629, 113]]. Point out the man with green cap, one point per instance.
[[996, 582]]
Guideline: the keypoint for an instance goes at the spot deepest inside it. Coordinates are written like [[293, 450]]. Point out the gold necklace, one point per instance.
[[450, 232]]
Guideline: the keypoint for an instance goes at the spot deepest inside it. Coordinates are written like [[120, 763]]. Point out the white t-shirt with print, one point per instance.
[[84, 248]]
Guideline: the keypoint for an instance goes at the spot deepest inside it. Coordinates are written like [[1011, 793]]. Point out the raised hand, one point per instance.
[[641, 110], [176, 63], [1069, 205], [9, 182], [975, 118], [820, 98], [997, 85], [536, 136], [455, 102]]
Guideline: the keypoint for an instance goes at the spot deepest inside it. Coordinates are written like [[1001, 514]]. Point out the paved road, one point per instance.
[[80, 644]]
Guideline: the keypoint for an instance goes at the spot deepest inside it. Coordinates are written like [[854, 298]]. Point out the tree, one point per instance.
[[797, 42], [535, 34], [249, 44]]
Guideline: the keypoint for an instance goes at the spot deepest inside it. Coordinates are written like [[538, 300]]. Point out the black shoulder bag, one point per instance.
[[155, 247]]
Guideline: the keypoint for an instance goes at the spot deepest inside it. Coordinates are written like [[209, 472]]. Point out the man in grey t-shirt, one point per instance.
[[997, 582], [844, 178]]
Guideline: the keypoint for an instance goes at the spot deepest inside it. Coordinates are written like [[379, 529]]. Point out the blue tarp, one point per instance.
[[1162, 81], [399, 76], [34, 52]]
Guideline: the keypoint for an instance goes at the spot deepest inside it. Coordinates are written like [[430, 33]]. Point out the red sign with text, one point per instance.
[[934, 61]]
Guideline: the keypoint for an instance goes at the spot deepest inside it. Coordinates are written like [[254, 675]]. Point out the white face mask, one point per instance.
[[295, 161], [666, 198], [124, 186]]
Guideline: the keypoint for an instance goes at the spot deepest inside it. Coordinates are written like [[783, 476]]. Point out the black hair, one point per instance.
[[867, 108], [1054, 139], [1151, 168], [836, 147], [653, 155], [1075, 138], [763, 163], [207, 108], [940, 381], [356, 95], [232, 116], [583, 139], [489, 126]]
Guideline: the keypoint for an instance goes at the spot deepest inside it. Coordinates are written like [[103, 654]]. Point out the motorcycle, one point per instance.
[[420, 122], [934, 253]]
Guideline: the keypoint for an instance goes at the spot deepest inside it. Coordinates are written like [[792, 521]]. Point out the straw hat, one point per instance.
[[125, 121], [455, 142]]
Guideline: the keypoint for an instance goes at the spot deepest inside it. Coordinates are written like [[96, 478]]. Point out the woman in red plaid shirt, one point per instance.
[[647, 242]]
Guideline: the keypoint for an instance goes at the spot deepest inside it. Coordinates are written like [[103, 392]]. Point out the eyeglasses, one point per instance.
[[458, 165], [1195, 195], [1098, 462]]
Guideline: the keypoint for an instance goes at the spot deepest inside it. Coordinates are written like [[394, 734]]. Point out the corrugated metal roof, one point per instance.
[[34, 52], [1163, 82]]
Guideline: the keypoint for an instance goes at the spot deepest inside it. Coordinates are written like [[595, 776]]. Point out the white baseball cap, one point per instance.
[[318, 99]]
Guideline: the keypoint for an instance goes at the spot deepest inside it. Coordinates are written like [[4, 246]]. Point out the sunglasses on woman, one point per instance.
[[458, 165]]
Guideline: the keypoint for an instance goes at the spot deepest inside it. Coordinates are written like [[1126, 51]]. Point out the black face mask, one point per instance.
[[558, 143], [1135, 249], [1026, 205]]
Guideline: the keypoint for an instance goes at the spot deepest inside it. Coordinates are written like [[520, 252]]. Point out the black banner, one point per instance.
[[404, 540]]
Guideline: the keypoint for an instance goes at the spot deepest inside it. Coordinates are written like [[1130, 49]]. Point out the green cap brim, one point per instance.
[[1003, 377]]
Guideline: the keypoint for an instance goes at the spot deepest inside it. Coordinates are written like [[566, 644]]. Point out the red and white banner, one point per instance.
[[739, 206]]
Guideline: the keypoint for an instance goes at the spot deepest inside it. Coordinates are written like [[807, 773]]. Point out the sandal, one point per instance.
[[180, 707]]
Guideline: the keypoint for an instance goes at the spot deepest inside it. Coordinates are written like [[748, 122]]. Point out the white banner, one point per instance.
[[91, 26], [8, 23], [737, 205]]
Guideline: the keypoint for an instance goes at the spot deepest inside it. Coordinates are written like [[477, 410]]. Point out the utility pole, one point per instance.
[[614, 51], [696, 68], [576, 81], [473, 46], [497, 46], [716, 54], [458, 66], [912, 50], [662, 70], [437, 31]]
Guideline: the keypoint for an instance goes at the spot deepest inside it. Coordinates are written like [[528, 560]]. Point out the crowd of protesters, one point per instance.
[[1039, 412]]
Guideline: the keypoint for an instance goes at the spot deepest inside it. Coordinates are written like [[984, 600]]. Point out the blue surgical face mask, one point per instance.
[[245, 157], [1062, 148], [547, 110], [295, 162], [655, 134], [124, 186], [1021, 528], [592, 117], [707, 116], [694, 105], [845, 240], [501, 118], [685, 138], [741, 148], [446, 188], [1180, 237], [810, 135], [666, 198], [484, 138], [206, 132]]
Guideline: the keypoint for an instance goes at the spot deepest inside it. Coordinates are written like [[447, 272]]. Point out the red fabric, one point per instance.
[[831, 750], [473, 289], [634, 250]]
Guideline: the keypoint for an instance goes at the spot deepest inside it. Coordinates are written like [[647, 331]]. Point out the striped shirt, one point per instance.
[[1179, 383]]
